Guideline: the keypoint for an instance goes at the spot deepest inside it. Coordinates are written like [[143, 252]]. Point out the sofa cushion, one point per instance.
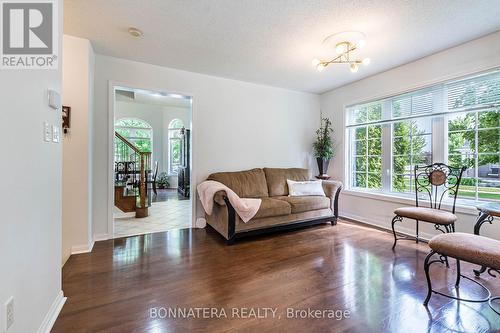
[[305, 188], [305, 204], [276, 179], [273, 207], [246, 184]]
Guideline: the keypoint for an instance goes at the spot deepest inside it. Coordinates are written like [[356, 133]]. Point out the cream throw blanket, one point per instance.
[[246, 208]]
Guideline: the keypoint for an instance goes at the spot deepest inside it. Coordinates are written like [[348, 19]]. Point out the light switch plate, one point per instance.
[[47, 132], [9, 313], [56, 134]]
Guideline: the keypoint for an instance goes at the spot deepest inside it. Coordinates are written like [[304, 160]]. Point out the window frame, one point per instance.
[[132, 139], [173, 138]]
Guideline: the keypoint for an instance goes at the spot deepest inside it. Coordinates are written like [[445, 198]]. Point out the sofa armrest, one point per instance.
[[219, 198], [332, 190]]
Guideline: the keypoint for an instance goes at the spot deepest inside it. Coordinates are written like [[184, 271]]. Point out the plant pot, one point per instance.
[[323, 164]]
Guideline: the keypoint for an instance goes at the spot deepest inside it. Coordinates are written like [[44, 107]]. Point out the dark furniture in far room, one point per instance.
[[152, 181], [183, 175]]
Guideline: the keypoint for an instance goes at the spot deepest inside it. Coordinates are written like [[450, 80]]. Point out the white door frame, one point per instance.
[[112, 85]]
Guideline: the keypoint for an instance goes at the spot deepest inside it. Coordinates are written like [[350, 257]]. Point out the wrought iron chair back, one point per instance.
[[430, 179]]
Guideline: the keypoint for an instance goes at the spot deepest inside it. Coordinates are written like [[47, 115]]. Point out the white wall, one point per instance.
[[474, 56], [78, 68], [30, 226], [236, 125]]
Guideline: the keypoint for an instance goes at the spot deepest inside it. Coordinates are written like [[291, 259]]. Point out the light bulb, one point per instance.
[[366, 61], [341, 48], [320, 67], [354, 67], [315, 62], [361, 43]]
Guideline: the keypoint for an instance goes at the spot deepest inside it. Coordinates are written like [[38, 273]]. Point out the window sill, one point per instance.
[[460, 207]]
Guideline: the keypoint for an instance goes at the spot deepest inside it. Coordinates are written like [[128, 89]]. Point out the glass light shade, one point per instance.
[[366, 61], [315, 62], [360, 43], [354, 67], [320, 67]]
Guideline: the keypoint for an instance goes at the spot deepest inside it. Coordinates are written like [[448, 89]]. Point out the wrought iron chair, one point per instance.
[[437, 180]]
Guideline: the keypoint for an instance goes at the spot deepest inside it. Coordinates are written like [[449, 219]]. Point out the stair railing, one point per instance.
[[128, 151]]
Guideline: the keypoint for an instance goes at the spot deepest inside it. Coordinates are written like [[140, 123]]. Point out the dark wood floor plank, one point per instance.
[[344, 267]]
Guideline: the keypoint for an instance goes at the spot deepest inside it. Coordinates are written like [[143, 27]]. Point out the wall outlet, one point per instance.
[[9, 313]]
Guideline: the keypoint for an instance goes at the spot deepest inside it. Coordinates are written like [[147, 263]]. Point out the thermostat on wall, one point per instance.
[[54, 99]]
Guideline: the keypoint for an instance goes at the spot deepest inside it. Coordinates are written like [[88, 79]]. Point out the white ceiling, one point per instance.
[[273, 41]]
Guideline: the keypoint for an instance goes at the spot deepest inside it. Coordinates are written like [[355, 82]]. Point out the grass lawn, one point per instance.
[[484, 192]]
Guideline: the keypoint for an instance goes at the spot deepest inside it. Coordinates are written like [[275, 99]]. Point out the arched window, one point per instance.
[[174, 146], [136, 131]]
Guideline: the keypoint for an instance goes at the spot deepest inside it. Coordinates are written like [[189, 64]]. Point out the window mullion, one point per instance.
[[476, 155], [386, 145]]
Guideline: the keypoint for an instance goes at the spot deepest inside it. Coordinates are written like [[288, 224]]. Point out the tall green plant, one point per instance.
[[323, 146]]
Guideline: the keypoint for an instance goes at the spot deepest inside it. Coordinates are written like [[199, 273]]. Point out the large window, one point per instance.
[[175, 146], [367, 148], [455, 122], [136, 131]]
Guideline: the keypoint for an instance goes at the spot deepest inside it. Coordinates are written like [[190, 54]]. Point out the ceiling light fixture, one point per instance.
[[344, 44], [135, 32]]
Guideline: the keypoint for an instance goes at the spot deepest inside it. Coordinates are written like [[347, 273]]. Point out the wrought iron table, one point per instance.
[[487, 212]]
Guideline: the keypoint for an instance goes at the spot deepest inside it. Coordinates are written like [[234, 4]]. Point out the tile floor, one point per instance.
[[165, 215]]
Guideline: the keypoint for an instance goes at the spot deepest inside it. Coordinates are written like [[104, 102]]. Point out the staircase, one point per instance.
[[132, 169], [126, 203]]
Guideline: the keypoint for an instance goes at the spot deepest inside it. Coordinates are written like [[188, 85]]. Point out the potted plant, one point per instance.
[[323, 146], [162, 180]]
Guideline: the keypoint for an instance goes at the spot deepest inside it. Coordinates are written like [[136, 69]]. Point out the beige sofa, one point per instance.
[[278, 211]]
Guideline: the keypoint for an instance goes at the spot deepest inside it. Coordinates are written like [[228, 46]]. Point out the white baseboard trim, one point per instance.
[[384, 225], [51, 316], [101, 237], [77, 249]]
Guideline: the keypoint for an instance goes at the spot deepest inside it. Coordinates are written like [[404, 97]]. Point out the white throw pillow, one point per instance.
[[310, 187]]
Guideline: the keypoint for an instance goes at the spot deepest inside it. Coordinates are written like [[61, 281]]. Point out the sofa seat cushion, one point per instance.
[[273, 207], [475, 249], [277, 177], [246, 184], [427, 215], [305, 204]]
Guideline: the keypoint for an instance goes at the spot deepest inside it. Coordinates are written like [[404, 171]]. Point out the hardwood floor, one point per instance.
[[344, 267]]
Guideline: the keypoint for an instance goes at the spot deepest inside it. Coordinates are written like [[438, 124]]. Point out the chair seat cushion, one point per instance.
[[306, 203], [475, 249], [273, 207], [427, 215]]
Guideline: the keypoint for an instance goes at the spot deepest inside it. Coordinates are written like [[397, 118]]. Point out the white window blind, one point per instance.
[[482, 91], [410, 105]]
